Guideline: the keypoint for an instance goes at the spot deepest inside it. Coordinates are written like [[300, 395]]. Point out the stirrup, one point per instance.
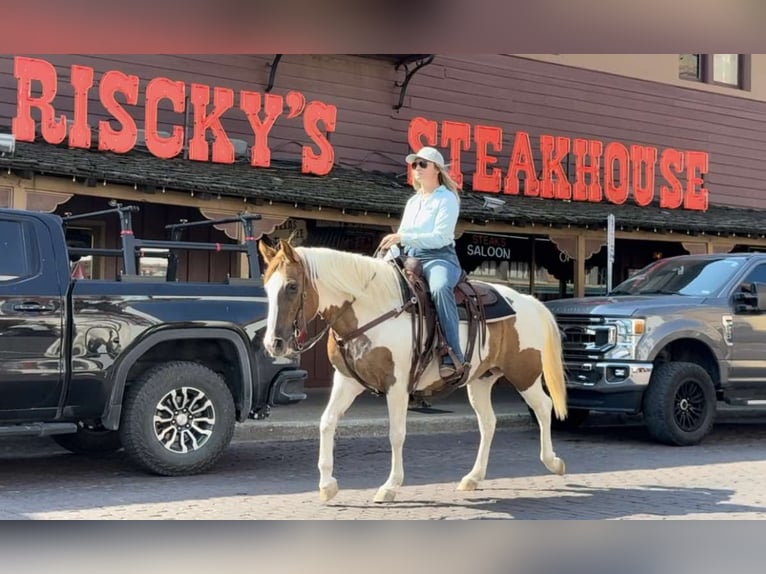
[[453, 372], [447, 371]]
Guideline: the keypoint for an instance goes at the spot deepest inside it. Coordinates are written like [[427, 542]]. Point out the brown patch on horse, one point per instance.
[[521, 367], [374, 365]]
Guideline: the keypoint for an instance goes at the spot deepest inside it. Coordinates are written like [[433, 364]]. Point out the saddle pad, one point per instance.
[[500, 309]]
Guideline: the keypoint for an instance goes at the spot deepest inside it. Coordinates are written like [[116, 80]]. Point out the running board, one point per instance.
[[38, 429]]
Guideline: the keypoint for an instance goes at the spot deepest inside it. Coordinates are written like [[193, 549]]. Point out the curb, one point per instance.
[[263, 431], [418, 423]]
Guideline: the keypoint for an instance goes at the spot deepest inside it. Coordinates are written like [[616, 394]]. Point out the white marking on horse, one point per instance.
[[273, 286]]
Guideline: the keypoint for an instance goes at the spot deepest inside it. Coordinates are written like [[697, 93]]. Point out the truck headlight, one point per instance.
[[625, 336]]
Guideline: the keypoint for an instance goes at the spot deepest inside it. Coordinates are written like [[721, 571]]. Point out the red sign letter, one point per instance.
[[321, 163], [615, 151], [560, 188], [82, 81], [53, 129], [591, 191], [696, 198], [108, 139], [671, 162], [484, 136], [223, 99], [159, 88], [419, 129], [457, 135], [646, 157], [521, 160], [250, 103]]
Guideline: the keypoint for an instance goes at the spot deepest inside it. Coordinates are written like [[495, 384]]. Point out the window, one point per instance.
[[757, 275], [14, 264], [731, 70], [690, 66]]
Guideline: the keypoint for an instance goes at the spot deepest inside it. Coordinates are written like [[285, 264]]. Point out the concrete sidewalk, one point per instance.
[[368, 416]]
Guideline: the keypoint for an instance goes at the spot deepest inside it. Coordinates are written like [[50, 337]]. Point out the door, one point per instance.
[[747, 374], [31, 321]]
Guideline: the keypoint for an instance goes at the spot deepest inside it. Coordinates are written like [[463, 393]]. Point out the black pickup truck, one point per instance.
[[161, 368]]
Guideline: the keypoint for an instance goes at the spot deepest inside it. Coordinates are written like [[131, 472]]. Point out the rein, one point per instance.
[[298, 330]]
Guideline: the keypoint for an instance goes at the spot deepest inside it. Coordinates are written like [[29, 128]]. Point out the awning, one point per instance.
[[360, 192]]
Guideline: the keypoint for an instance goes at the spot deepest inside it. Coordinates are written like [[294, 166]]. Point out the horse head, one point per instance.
[[292, 300]]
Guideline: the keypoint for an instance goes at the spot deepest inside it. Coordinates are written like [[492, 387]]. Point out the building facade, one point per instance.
[[547, 147]]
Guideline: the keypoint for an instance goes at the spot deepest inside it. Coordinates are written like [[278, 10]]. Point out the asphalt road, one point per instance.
[[613, 473]]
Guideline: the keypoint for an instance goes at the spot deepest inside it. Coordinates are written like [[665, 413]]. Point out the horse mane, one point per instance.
[[358, 275]]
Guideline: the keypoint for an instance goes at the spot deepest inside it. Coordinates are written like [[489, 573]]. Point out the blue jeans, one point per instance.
[[442, 276]]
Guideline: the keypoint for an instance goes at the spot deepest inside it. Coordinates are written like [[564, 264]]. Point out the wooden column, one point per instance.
[[19, 199], [532, 265], [579, 249], [579, 267]]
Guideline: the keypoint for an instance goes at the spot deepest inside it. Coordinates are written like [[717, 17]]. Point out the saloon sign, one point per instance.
[[114, 86], [637, 166]]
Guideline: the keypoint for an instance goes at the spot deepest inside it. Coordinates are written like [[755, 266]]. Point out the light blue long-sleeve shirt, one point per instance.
[[429, 221]]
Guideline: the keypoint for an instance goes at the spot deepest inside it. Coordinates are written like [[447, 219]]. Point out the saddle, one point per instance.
[[472, 298]]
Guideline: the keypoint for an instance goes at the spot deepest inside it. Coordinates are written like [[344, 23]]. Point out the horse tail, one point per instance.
[[553, 363]]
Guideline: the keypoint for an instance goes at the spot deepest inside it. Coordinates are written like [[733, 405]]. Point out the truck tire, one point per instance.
[[177, 419], [679, 405], [90, 442]]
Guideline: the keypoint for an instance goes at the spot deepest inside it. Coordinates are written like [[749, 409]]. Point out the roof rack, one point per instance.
[[131, 247]]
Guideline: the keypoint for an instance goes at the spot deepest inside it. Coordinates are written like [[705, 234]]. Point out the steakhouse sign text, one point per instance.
[[547, 178]]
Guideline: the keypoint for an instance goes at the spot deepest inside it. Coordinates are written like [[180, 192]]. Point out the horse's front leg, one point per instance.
[[344, 391], [480, 396], [398, 400]]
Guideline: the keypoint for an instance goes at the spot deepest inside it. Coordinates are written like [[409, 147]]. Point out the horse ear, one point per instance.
[[287, 249], [266, 250]]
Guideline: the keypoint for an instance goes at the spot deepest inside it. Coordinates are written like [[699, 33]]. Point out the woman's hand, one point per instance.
[[390, 240]]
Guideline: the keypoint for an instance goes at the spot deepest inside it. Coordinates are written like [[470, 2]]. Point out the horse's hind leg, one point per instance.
[[344, 391], [539, 401], [480, 396], [398, 400]]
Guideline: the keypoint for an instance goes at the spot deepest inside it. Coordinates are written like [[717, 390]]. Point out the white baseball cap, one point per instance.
[[429, 154]]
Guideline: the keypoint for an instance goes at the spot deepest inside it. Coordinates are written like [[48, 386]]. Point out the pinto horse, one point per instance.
[[349, 291]]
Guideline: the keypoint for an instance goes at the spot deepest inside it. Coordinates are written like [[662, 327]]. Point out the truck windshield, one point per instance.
[[696, 277]]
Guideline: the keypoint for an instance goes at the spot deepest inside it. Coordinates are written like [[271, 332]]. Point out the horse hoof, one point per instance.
[[327, 493], [384, 495], [559, 467], [468, 484]]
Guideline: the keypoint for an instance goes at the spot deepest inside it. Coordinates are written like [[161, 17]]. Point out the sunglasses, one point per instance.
[[419, 163]]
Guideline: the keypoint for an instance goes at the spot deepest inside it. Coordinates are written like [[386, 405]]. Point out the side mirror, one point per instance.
[[751, 298]]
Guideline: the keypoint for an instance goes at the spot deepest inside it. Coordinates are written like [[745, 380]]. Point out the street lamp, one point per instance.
[[493, 203]]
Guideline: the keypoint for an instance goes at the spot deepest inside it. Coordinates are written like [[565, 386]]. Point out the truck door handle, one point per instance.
[[33, 307]]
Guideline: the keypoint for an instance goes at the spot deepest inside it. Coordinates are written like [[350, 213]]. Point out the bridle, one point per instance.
[[300, 322], [301, 344]]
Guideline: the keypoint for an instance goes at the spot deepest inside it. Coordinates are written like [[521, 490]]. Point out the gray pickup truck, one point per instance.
[[669, 343]]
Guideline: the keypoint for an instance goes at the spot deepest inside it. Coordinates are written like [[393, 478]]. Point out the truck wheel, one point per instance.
[[679, 405], [90, 441], [177, 419]]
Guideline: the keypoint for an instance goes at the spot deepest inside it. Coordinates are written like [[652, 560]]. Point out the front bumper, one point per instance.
[[610, 386], [287, 387]]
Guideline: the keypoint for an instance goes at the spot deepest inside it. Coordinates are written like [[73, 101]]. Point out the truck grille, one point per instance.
[[585, 337]]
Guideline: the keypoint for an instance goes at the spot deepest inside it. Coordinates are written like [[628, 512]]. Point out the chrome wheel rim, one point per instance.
[[184, 419]]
